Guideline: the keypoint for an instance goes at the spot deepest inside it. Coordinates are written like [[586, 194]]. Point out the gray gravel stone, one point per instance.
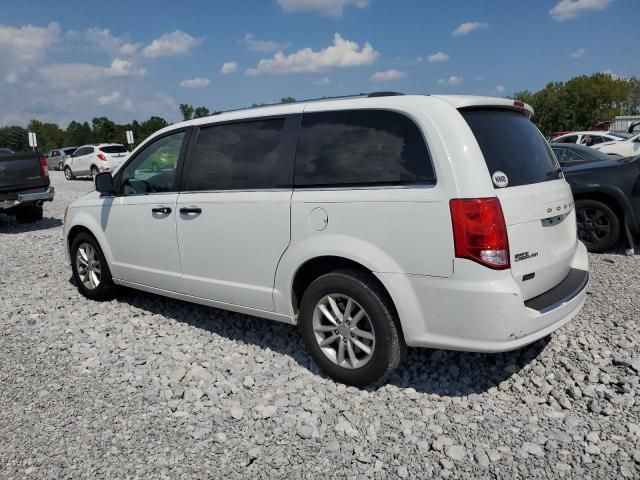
[[149, 387]]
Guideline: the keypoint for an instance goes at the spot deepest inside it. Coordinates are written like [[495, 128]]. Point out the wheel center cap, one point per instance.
[[344, 329]]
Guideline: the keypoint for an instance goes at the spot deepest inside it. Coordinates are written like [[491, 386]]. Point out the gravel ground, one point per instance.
[[148, 387]]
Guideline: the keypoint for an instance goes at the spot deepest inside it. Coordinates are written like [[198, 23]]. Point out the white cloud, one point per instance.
[[195, 83], [387, 75], [468, 27], [322, 81], [452, 81], [570, 9], [500, 88], [342, 53], [324, 7], [438, 57], [21, 48], [578, 53], [109, 99], [228, 68], [110, 43], [264, 46], [124, 68], [170, 44]]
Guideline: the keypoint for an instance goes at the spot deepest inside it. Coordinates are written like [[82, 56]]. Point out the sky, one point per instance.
[[79, 59]]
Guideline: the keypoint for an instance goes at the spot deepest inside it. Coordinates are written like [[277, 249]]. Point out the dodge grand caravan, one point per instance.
[[372, 223]]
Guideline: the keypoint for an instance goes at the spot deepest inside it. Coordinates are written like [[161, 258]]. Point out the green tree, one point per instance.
[[104, 130], [78, 134], [15, 138], [200, 112], [48, 135], [187, 111], [287, 100]]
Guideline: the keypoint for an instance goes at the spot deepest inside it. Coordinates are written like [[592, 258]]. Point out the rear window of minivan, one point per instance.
[[113, 149], [359, 148], [511, 144]]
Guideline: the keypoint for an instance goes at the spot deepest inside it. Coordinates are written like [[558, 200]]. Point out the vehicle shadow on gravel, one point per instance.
[[10, 226], [441, 372]]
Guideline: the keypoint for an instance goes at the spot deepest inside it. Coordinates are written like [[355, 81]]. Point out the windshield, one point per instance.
[[511, 144], [113, 149]]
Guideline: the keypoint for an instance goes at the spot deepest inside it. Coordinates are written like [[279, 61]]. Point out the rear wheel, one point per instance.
[[94, 172], [60, 166], [598, 225], [68, 174], [349, 327], [28, 214], [90, 270]]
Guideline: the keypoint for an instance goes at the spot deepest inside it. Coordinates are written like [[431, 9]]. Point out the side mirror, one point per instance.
[[104, 183]]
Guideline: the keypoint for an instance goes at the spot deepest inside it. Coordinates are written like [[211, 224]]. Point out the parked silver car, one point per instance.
[[56, 157]]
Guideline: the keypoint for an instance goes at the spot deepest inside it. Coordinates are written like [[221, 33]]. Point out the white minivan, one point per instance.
[[373, 223]]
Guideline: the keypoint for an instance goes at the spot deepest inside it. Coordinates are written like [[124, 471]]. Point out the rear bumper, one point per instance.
[[484, 315], [28, 197]]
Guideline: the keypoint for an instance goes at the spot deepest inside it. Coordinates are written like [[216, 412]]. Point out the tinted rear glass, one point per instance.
[[237, 156], [69, 151], [113, 149], [361, 147], [511, 144]]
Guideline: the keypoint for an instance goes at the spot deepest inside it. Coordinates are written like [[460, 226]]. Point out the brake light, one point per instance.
[[518, 104], [102, 157], [44, 170], [480, 232]]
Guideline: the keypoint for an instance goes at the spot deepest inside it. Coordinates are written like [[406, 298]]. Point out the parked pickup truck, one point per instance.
[[24, 185]]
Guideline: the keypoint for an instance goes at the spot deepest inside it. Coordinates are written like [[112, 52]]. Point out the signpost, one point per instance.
[[130, 139], [33, 141]]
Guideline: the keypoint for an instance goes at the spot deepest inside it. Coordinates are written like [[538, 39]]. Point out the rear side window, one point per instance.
[[237, 156], [361, 147], [69, 151], [511, 144], [113, 149]]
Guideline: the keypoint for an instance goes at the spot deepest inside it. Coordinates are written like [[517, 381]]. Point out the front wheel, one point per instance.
[[68, 174], [349, 327], [598, 225], [90, 270]]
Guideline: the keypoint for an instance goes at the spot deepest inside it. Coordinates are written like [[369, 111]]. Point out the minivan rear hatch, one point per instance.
[[536, 201]]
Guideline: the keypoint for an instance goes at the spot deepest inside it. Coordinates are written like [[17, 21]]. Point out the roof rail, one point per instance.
[[384, 94]]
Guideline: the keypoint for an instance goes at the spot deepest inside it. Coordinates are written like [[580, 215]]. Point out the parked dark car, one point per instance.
[[24, 185], [606, 189]]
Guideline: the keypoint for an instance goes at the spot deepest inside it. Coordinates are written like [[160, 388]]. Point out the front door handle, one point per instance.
[[188, 210], [164, 210]]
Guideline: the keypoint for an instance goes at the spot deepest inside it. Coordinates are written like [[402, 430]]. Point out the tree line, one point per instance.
[[582, 102], [576, 104]]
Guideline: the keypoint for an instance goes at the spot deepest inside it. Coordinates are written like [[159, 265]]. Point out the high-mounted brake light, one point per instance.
[[518, 104], [480, 232], [102, 157], [44, 170]]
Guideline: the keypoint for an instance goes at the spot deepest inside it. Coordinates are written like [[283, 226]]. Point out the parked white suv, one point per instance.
[[372, 223], [89, 160]]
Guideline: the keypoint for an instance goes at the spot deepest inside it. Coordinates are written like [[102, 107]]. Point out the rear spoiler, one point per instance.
[[468, 101]]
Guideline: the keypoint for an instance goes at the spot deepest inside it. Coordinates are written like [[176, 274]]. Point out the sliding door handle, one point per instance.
[[190, 210]]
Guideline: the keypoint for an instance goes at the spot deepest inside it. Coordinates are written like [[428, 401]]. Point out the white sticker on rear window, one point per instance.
[[500, 179]]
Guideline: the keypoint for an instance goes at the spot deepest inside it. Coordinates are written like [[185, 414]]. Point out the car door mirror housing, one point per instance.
[[104, 183]]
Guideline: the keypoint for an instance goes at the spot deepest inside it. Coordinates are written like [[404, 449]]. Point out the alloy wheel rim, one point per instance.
[[88, 266], [67, 173], [593, 225], [344, 331]]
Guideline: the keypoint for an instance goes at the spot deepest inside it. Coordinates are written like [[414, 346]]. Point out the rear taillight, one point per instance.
[[102, 157], [44, 170], [479, 231]]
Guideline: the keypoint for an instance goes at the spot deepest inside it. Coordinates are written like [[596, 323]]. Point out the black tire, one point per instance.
[[598, 225], [106, 289], [390, 347], [68, 174], [94, 171], [59, 166], [28, 213]]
